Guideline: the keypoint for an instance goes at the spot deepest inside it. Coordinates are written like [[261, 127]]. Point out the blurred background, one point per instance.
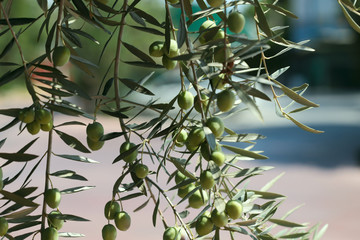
[[322, 170]]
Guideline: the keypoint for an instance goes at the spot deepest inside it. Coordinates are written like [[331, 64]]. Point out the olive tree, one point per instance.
[[184, 140]]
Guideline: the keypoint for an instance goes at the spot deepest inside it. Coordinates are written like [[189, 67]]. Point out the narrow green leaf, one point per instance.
[[22, 215], [302, 126], [294, 96], [117, 114], [55, 92], [247, 223], [74, 88], [294, 235], [43, 5], [10, 125], [147, 17], [250, 103], [76, 189], [111, 135], [321, 232], [22, 226], [148, 30], [70, 235], [70, 217], [280, 10], [262, 21], [7, 48], [17, 21], [350, 20], [18, 199], [270, 183], [76, 158], [11, 75], [68, 174], [137, 18], [18, 157], [155, 212], [135, 86], [144, 64], [244, 152], [105, 7], [72, 142], [71, 123], [131, 196], [138, 53], [284, 223], [118, 182], [2, 142], [179, 164], [142, 205], [267, 195]]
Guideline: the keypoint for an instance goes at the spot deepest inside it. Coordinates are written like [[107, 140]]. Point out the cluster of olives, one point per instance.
[[224, 100], [94, 132], [52, 199], [121, 218], [36, 119], [197, 199], [60, 56], [205, 224], [158, 49]]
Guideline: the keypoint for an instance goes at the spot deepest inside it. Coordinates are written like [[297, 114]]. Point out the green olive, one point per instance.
[[185, 100], [122, 221], [129, 158], [216, 126], [94, 131], [225, 100], [207, 180], [156, 49], [3, 226], [111, 208], [236, 22], [61, 56], [168, 63]]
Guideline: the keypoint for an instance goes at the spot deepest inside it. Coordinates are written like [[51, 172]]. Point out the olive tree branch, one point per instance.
[[187, 230], [116, 66]]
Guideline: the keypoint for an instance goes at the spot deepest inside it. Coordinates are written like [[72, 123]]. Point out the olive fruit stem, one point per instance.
[[188, 232]]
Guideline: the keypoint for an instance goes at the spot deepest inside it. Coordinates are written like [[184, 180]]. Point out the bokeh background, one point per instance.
[[322, 170]]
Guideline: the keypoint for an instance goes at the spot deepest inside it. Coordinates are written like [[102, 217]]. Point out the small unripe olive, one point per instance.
[[94, 131], [111, 208], [215, 3], [185, 100], [168, 63], [216, 126], [122, 221], [236, 22], [61, 56], [156, 49], [225, 100], [127, 146]]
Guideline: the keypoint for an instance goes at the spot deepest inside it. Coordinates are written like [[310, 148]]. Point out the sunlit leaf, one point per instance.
[[76, 158], [72, 142], [68, 174], [76, 189], [18, 199]]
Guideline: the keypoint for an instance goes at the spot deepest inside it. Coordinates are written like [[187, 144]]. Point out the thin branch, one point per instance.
[[116, 66]]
